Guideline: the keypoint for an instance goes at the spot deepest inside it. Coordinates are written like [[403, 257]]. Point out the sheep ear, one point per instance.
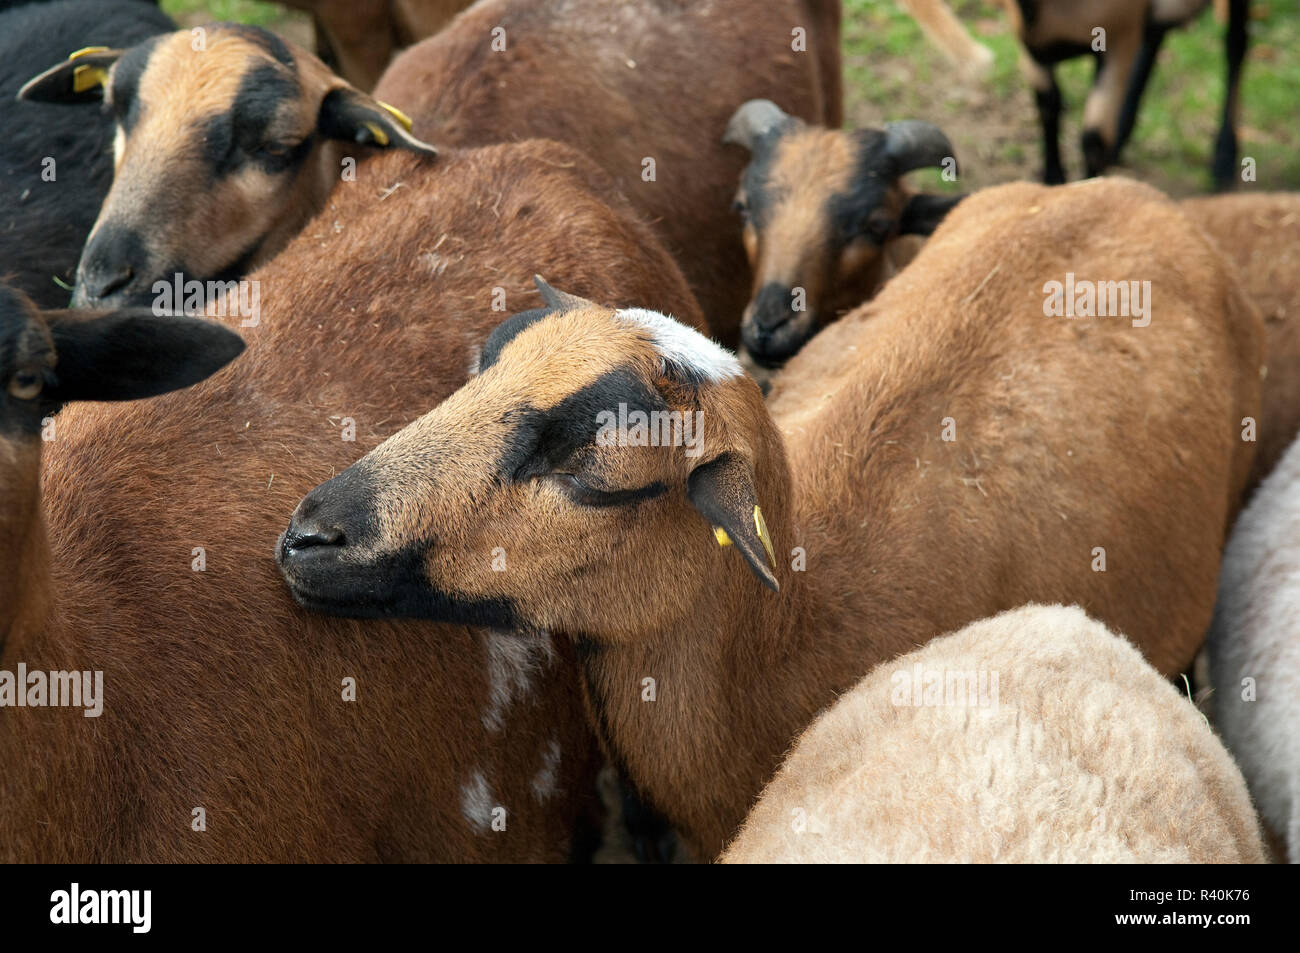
[[557, 299], [923, 213], [723, 491], [79, 79], [350, 115], [133, 353]]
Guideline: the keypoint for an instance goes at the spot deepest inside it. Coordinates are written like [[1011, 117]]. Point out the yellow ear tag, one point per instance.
[[761, 527], [400, 116], [381, 137], [88, 77], [87, 50], [721, 536]]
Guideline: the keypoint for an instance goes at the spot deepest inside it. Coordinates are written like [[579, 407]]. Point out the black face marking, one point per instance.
[[507, 331], [755, 179], [243, 135], [126, 83], [859, 212], [542, 441], [392, 587]]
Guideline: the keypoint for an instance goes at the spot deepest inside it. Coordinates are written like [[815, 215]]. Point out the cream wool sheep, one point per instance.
[[1255, 648], [1070, 749]]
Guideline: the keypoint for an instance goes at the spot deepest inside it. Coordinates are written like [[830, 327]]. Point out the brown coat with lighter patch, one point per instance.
[[220, 692]]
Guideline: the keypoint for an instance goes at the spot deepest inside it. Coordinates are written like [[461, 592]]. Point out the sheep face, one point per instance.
[[818, 207], [228, 139], [520, 502]]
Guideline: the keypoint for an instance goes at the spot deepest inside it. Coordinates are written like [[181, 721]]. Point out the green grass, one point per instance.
[[892, 71], [254, 12]]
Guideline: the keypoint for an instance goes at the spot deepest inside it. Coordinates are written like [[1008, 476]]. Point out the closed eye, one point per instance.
[[584, 494]]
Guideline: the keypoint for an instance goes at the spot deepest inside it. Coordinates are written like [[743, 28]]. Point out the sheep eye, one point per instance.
[[25, 385], [740, 208], [578, 491]]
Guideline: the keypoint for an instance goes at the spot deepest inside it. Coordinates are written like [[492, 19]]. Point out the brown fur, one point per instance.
[[1071, 434], [363, 35], [655, 78], [1260, 234], [220, 692]]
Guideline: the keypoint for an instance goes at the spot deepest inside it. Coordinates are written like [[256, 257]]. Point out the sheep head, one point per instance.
[[228, 139], [590, 478], [817, 208]]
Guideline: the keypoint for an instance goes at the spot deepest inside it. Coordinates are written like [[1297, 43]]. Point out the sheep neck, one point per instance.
[[699, 717]]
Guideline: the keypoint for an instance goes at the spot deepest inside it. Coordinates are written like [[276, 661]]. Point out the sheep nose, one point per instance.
[[107, 267], [773, 306], [299, 538], [99, 281]]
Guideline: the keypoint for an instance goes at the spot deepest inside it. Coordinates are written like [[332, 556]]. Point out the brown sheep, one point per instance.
[[943, 453], [826, 219], [1260, 234], [1033, 737], [221, 694]]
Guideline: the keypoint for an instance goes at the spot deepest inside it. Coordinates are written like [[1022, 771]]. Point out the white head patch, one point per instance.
[[685, 346]]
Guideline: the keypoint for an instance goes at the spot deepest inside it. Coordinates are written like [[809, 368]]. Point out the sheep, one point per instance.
[[824, 214], [55, 168], [1254, 649], [221, 693], [1050, 31], [943, 453], [656, 83], [47, 360], [273, 128], [358, 37], [1260, 234], [1036, 736]]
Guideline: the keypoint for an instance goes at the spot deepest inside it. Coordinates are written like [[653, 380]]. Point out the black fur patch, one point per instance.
[[126, 83], [543, 440], [240, 136]]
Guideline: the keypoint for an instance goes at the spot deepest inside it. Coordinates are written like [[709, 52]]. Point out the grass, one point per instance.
[[892, 71], [255, 12]]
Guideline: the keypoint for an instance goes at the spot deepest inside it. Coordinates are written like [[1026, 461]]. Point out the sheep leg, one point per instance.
[[1101, 113], [1047, 97], [1225, 148], [1153, 37]]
